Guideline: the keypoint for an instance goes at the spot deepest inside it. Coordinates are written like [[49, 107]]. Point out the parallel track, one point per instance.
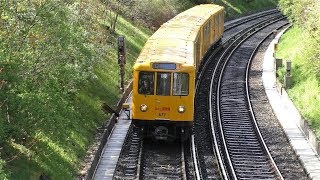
[[207, 148]]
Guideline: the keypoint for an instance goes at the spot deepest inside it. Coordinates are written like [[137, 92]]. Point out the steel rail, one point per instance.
[[223, 45], [139, 160], [256, 16], [230, 167], [195, 159], [183, 164], [276, 169]]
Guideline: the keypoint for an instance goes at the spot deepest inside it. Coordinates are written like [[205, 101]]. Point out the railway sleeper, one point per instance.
[[249, 161], [261, 176], [248, 154], [247, 151], [254, 171], [239, 131], [241, 156], [241, 147]]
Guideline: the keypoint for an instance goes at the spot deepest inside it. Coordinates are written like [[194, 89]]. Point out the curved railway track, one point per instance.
[[234, 30], [206, 125], [278, 144], [235, 23], [245, 153]]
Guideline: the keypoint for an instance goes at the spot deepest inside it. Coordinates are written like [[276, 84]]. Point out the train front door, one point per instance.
[[162, 100]]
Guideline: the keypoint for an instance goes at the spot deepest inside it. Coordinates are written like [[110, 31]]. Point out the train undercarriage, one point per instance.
[[165, 130]]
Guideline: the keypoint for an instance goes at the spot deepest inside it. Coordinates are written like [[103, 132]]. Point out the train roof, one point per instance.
[[174, 40]]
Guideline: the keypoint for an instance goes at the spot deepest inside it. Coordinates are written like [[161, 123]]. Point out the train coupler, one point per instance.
[[161, 133]]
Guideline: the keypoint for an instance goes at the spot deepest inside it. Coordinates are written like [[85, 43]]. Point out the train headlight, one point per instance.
[[181, 109], [143, 107]]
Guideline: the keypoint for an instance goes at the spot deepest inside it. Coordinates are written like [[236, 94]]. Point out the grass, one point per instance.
[[51, 152], [305, 92]]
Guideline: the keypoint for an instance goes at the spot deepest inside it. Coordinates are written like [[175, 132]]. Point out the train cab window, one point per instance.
[[146, 83], [180, 84], [163, 84]]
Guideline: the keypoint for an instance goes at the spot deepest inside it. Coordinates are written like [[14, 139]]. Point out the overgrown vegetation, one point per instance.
[[57, 65], [301, 45]]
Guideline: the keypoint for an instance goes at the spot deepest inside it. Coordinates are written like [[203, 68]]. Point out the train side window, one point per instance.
[[180, 84], [197, 51], [217, 24], [163, 83], [146, 83]]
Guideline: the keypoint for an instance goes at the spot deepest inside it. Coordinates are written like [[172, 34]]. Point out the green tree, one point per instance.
[[45, 58]]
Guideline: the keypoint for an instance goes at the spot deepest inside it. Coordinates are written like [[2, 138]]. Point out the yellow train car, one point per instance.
[[164, 75]]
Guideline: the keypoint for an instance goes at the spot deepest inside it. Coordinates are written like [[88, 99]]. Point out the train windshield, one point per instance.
[[163, 83], [180, 84], [146, 83]]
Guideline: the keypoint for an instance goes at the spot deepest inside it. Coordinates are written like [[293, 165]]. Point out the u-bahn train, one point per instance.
[[164, 74]]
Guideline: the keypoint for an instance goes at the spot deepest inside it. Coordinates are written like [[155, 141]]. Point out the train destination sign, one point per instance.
[[166, 66]]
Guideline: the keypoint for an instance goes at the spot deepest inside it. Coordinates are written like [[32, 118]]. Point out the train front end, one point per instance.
[[163, 99]]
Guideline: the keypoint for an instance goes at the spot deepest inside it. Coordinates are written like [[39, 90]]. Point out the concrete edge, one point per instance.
[[107, 131], [302, 124], [273, 88]]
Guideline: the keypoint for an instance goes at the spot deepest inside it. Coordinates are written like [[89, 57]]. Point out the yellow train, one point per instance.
[[164, 75]]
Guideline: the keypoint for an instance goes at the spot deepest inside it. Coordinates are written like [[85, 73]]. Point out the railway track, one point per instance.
[[234, 30], [245, 153], [148, 159], [163, 160], [236, 23], [214, 148], [278, 144]]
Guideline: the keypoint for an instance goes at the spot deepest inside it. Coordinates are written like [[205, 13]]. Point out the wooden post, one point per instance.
[[278, 63], [274, 33], [287, 76], [275, 47]]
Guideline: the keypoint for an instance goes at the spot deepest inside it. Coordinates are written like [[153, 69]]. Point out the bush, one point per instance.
[[304, 15], [153, 14], [58, 63], [2, 173], [46, 58]]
